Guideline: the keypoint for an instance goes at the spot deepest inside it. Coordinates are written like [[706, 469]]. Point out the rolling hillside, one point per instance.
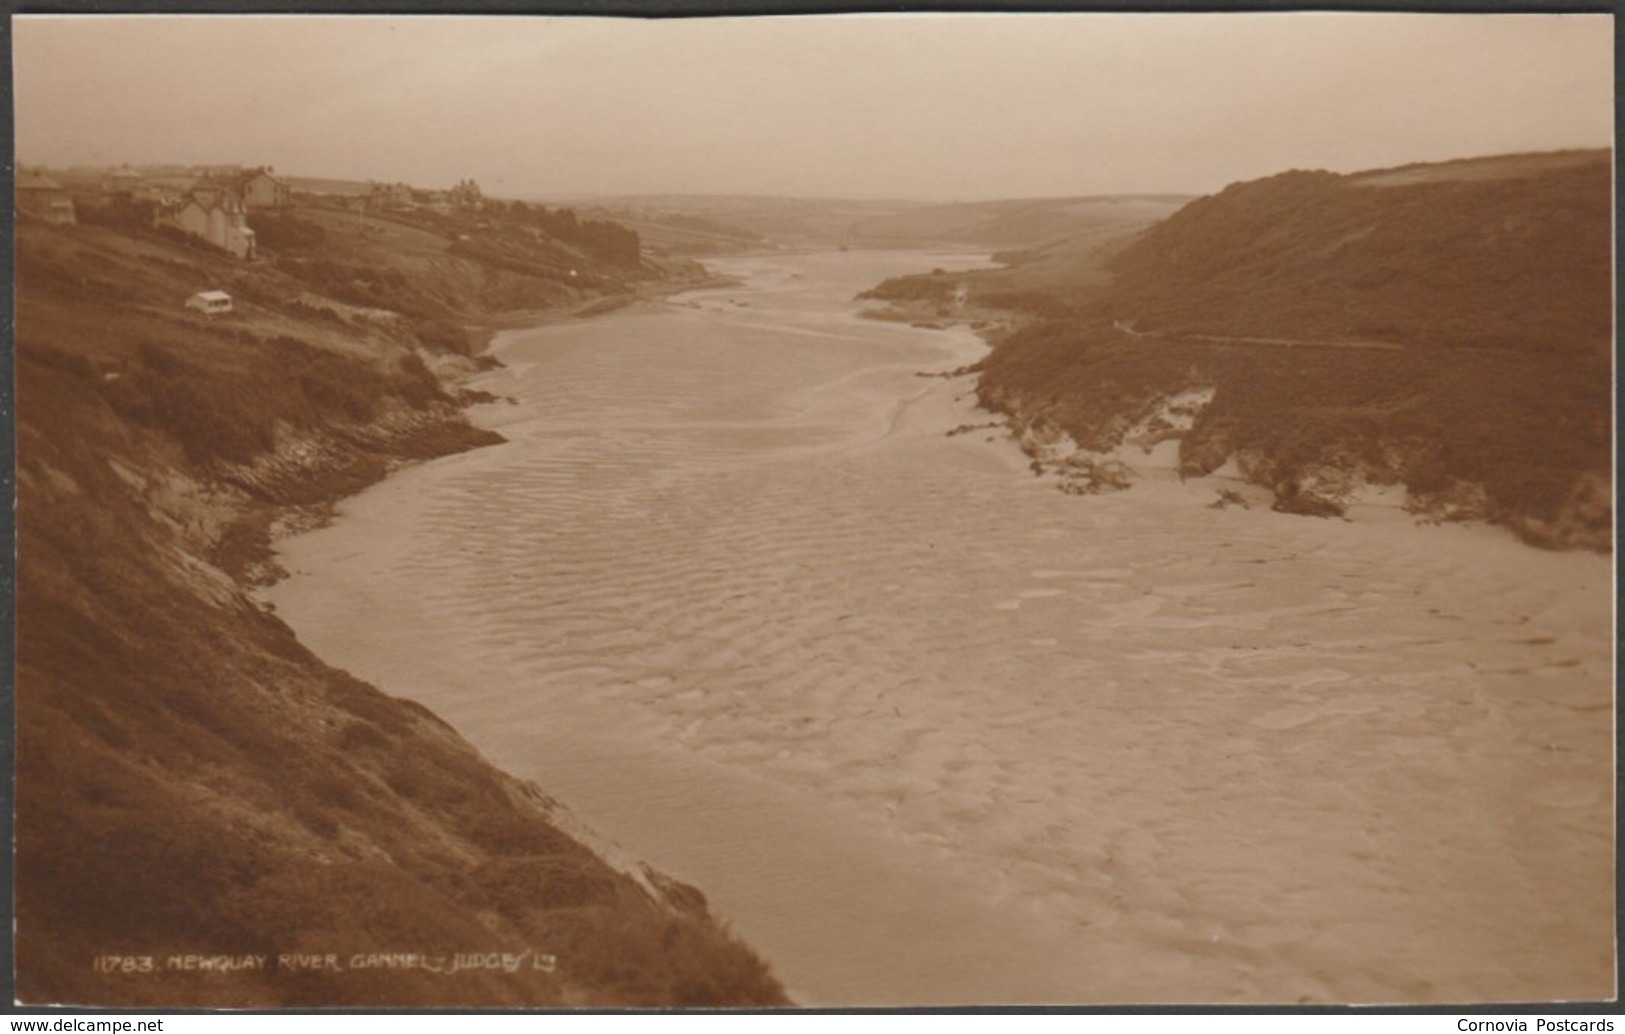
[[750, 222], [1454, 257], [779, 221], [1018, 224], [1442, 327]]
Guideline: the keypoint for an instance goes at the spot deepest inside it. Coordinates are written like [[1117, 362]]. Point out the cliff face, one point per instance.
[[1445, 328], [192, 783]]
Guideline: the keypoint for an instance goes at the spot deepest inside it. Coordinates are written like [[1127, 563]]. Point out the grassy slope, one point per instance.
[[190, 778], [1496, 281], [1520, 262], [1028, 223]]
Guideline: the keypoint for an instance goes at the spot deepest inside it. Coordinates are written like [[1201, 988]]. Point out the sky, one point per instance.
[[926, 106]]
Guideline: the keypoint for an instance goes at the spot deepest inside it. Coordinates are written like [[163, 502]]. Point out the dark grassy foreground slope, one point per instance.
[[1443, 327], [191, 781]]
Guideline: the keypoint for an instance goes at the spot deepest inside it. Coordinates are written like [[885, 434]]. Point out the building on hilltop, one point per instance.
[[466, 194], [45, 199], [263, 190], [169, 186], [389, 195], [124, 182], [254, 188], [128, 184], [437, 201]]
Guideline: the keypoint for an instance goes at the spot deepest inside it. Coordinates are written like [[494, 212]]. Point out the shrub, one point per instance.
[[1526, 426], [442, 336], [416, 383], [282, 232]]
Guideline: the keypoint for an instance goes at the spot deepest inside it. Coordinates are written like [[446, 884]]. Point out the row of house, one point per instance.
[[213, 203], [402, 197], [215, 206], [209, 203], [258, 187]]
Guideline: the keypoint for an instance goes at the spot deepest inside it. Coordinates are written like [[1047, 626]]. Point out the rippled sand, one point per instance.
[[927, 730]]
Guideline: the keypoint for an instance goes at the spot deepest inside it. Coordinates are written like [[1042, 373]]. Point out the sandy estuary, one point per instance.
[[926, 730]]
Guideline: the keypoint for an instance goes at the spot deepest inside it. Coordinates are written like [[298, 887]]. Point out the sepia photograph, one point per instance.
[[811, 512]]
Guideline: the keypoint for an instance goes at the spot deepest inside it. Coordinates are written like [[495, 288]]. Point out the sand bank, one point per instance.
[[927, 730]]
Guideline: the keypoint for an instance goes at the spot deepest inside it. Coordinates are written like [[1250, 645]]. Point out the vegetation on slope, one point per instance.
[[1448, 331], [1519, 262], [464, 264], [678, 234], [191, 781], [1513, 438]]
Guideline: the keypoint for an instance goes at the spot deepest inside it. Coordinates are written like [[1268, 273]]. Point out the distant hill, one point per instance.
[[777, 221], [1022, 223], [1501, 166], [826, 222], [1447, 327]]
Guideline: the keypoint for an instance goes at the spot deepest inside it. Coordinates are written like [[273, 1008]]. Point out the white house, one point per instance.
[[218, 218]]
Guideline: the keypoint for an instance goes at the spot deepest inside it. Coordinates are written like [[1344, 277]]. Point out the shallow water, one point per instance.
[[926, 730]]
